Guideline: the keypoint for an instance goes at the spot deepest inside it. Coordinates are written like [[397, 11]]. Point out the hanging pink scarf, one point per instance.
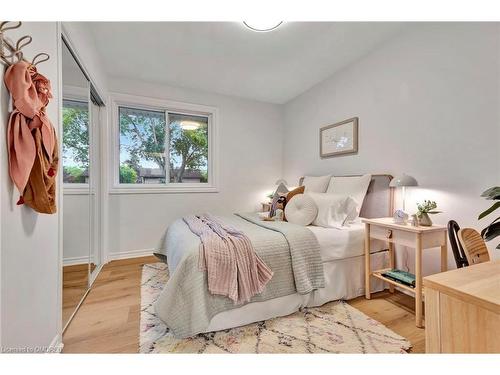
[[30, 93]]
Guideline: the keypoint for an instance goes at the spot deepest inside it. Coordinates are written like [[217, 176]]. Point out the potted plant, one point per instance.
[[492, 230], [424, 209]]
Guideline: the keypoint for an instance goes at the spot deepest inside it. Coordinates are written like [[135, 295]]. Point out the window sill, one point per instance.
[[75, 190], [116, 190]]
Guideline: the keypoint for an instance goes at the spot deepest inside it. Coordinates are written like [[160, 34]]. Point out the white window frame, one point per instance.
[[78, 94], [154, 104]]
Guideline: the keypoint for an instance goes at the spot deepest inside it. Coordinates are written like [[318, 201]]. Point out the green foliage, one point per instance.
[[76, 134], [74, 174], [190, 146], [493, 230], [489, 210], [428, 207], [127, 174], [204, 176], [492, 193]]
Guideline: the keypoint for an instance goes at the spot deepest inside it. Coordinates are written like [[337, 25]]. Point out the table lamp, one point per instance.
[[403, 181], [282, 186]]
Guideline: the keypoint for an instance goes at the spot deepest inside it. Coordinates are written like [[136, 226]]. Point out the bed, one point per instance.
[[187, 308]]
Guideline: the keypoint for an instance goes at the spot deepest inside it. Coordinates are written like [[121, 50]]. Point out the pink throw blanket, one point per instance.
[[233, 268]]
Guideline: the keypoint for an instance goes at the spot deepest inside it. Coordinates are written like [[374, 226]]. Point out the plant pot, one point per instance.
[[424, 220]]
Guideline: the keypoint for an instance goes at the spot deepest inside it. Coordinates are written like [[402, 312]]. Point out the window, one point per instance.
[[164, 146], [142, 146], [75, 142], [188, 148]]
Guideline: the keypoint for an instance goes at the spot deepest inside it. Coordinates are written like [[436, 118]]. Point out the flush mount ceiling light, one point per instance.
[[189, 125], [262, 25]]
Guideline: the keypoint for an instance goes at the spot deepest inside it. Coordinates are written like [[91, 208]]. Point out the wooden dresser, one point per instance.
[[462, 310]]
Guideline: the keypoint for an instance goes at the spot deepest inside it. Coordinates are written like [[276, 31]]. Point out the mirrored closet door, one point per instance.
[[80, 143]]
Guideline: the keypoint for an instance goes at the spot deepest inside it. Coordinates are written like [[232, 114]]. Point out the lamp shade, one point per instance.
[[281, 181], [403, 180]]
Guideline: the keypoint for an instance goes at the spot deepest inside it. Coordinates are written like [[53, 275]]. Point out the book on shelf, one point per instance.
[[403, 277]]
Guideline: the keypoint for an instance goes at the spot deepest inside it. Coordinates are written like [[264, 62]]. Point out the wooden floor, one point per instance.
[[395, 311], [75, 283], [108, 320]]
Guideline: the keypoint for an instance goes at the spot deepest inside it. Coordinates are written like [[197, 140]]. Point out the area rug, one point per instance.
[[335, 327]]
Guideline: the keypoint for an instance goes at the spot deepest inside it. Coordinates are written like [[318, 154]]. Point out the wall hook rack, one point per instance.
[[11, 53]]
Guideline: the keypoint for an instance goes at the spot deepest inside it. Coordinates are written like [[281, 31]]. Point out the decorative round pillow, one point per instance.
[[301, 210]]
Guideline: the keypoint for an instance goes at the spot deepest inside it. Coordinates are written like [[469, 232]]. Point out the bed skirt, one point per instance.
[[344, 279]]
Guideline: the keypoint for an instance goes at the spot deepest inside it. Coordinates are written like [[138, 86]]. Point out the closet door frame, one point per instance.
[[101, 120], [95, 151], [64, 38]]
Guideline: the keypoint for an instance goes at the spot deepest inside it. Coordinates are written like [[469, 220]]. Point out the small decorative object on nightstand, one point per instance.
[[419, 238], [424, 209], [278, 215], [414, 220], [400, 217], [402, 181], [266, 206]]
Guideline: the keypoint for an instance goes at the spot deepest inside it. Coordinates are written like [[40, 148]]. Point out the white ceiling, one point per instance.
[[228, 58]]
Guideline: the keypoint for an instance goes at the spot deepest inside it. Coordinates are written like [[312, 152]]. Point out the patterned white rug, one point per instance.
[[335, 327]]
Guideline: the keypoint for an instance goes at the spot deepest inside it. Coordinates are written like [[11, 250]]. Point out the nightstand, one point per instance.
[[419, 238]]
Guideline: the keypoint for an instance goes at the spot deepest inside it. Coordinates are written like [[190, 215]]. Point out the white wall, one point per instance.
[[250, 152], [427, 104], [29, 257]]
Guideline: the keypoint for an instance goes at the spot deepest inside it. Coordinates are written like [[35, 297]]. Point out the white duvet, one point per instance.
[[343, 243]]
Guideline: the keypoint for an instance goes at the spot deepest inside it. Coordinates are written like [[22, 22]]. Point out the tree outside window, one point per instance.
[[75, 141], [148, 156]]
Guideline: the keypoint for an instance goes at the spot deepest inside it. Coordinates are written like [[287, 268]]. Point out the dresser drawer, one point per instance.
[[405, 238]]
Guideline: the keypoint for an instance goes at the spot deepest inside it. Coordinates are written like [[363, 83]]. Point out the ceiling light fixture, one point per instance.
[[190, 125], [262, 25]]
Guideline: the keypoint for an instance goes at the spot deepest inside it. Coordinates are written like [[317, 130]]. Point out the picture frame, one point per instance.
[[339, 139]]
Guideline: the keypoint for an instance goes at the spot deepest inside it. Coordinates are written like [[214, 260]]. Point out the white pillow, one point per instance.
[[301, 210], [334, 210], [354, 187], [316, 184]]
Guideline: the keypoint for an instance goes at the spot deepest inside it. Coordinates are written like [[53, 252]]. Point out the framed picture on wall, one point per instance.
[[339, 139]]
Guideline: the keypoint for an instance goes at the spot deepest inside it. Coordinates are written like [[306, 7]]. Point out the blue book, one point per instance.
[[400, 276]]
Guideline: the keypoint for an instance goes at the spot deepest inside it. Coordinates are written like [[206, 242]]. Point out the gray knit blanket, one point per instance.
[[290, 251]]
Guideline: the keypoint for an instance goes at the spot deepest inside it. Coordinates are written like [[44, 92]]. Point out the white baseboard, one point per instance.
[[131, 254], [73, 261]]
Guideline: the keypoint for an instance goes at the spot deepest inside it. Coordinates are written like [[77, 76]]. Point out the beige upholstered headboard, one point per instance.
[[379, 200]]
